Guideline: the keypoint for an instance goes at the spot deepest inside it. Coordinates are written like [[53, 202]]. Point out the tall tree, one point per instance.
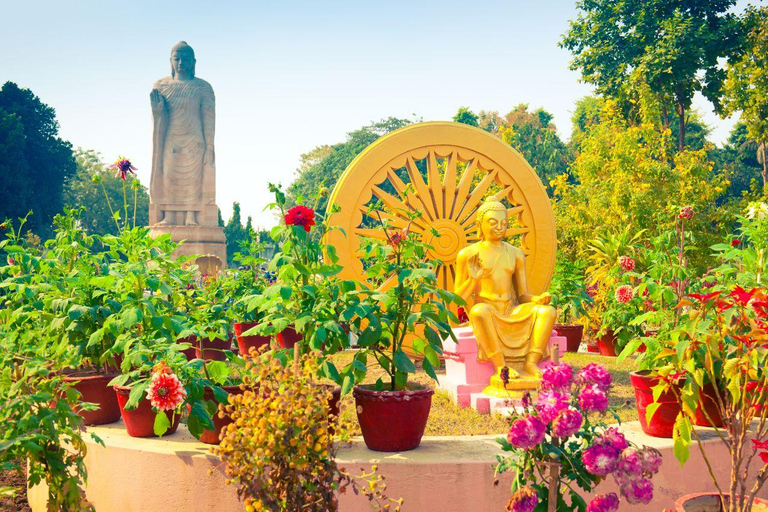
[[465, 116], [34, 161], [746, 88], [672, 46], [80, 190], [322, 167], [235, 233]]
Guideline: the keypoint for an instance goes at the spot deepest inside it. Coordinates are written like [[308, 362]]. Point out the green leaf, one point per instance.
[[162, 423], [137, 394], [218, 371], [403, 362], [650, 411], [347, 384], [96, 337], [681, 436], [221, 396], [131, 316]]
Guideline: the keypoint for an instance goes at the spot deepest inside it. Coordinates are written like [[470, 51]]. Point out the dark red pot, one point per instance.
[[288, 338], [592, 348], [213, 350], [573, 335], [140, 422], [190, 352], [245, 343], [93, 388], [708, 402], [607, 344], [392, 421], [710, 502], [219, 422], [663, 420]]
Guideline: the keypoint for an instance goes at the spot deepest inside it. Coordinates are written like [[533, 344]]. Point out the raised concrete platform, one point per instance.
[[445, 474]]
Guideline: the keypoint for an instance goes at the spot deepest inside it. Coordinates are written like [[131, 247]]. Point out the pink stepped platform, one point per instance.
[[466, 377]]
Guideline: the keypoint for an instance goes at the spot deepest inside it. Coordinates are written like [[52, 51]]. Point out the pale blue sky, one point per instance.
[[288, 76]]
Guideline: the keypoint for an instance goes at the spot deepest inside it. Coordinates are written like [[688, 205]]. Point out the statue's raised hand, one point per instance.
[[475, 267], [157, 101]]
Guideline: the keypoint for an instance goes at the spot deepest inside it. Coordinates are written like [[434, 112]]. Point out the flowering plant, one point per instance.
[[569, 290], [727, 330], [560, 439], [622, 306]]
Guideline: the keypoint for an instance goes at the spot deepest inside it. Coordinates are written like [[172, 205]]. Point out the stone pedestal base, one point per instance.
[[466, 377], [198, 240]]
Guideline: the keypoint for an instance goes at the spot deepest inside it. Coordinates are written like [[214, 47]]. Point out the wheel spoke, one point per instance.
[[463, 191], [422, 191], [449, 184], [390, 201], [473, 201], [378, 234], [517, 231], [435, 185]]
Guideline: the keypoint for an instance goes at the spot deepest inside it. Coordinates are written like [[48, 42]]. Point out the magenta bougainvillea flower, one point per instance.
[[165, 392], [300, 216], [550, 403], [604, 503], [594, 374], [523, 500], [626, 263], [686, 212], [593, 399], [123, 166], [557, 376], [567, 423], [624, 294], [526, 432], [600, 459]]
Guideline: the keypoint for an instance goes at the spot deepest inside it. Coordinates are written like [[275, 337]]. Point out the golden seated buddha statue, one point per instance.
[[512, 326]]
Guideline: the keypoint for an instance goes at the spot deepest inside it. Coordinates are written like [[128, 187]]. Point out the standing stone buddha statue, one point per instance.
[[512, 327], [183, 165]]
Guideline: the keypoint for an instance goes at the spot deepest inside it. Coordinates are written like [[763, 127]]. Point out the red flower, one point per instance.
[[462, 314], [742, 296], [735, 242], [761, 445], [624, 294], [123, 166], [165, 392], [300, 216], [627, 264], [395, 237], [686, 212], [704, 298], [761, 308]]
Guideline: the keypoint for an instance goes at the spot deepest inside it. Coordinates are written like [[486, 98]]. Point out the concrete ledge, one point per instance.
[[445, 474]]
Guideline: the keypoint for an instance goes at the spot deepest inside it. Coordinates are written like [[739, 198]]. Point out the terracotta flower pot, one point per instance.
[[245, 343], [93, 388], [288, 337], [573, 334], [710, 502], [392, 421], [663, 420], [219, 423], [592, 348], [212, 350], [140, 422], [190, 352], [607, 344]]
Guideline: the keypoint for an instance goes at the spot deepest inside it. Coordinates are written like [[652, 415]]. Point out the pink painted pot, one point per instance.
[[710, 502], [392, 421]]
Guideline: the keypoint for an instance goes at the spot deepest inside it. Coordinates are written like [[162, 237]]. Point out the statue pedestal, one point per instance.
[[198, 240], [466, 377]]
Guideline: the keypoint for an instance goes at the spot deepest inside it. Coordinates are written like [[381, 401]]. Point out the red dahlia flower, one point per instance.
[[624, 294], [627, 264], [166, 392], [300, 216]]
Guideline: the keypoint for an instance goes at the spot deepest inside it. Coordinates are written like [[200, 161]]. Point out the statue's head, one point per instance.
[[492, 220], [182, 60]]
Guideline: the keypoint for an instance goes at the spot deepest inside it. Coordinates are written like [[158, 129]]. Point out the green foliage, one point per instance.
[[321, 168], [236, 234], [97, 217], [465, 116], [569, 290], [34, 162]]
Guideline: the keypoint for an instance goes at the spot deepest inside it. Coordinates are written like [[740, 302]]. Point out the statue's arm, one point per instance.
[[521, 282], [208, 114], [159, 127], [465, 285]]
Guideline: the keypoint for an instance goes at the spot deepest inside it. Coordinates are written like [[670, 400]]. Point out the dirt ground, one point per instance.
[[19, 502]]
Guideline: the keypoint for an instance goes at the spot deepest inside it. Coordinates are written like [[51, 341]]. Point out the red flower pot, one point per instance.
[[663, 420], [140, 422], [212, 350], [710, 502], [190, 352], [288, 337], [93, 388], [573, 335], [244, 343], [708, 403], [219, 422], [607, 344], [392, 421], [592, 348]]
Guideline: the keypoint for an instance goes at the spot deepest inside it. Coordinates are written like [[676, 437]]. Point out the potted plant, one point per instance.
[[404, 300], [616, 328], [298, 472], [559, 441], [570, 297], [210, 329], [221, 380]]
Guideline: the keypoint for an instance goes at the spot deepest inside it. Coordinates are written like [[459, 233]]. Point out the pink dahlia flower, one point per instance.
[[526, 432], [600, 459], [638, 491], [567, 423], [604, 503], [523, 500], [626, 263], [550, 403], [166, 392], [594, 374], [631, 462], [557, 376], [624, 294], [593, 399], [651, 460], [616, 439], [123, 167]]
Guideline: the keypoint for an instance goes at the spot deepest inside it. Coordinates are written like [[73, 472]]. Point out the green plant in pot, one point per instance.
[[404, 303], [210, 329], [220, 381], [570, 297]]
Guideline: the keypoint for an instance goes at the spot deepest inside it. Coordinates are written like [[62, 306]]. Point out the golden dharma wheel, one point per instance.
[[444, 170]]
